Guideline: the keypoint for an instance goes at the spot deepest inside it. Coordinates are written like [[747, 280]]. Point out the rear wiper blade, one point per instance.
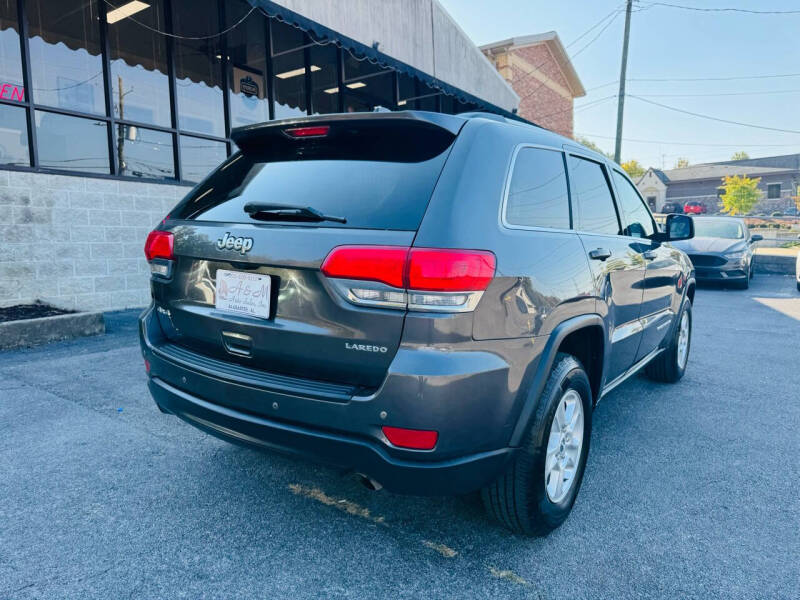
[[287, 212]]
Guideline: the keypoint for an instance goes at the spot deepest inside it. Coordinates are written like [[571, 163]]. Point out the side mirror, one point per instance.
[[756, 237], [678, 227]]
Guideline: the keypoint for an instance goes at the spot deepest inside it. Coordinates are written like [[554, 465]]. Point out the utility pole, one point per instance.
[[121, 128], [623, 69]]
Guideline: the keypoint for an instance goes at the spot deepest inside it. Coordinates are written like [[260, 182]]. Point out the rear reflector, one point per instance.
[[159, 245], [416, 439], [307, 132]]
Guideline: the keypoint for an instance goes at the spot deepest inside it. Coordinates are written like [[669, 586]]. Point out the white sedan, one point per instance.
[[797, 271]]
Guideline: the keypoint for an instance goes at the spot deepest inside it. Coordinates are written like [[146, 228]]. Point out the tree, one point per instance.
[[633, 169], [681, 163], [740, 155], [592, 146], [741, 194]]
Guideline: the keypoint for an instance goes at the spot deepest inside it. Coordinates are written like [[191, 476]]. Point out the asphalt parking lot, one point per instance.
[[691, 490]]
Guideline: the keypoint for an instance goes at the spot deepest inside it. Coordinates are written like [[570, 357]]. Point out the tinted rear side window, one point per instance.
[[375, 180], [537, 194], [594, 203]]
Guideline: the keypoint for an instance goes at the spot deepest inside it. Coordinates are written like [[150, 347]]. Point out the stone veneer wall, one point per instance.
[[77, 242]]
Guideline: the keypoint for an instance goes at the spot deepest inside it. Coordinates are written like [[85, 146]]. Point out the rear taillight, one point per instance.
[[416, 439], [429, 279], [369, 263], [158, 249], [449, 270]]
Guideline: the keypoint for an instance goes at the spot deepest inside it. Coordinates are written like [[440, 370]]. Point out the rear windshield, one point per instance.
[[371, 192]]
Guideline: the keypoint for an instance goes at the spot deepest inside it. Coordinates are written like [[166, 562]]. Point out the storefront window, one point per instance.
[[325, 82], [247, 49], [286, 37], [289, 69], [416, 95], [369, 93], [355, 68], [448, 107], [258, 58], [65, 54], [13, 136], [72, 143], [139, 84], [367, 86], [144, 152], [198, 67], [199, 157], [290, 84], [11, 87]]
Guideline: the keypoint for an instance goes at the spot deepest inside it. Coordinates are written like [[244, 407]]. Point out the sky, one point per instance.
[[668, 43]]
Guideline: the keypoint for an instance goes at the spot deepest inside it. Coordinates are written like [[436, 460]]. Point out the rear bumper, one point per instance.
[[345, 433], [455, 476]]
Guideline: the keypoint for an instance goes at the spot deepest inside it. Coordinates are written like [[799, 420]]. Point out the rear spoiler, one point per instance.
[[407, 136]]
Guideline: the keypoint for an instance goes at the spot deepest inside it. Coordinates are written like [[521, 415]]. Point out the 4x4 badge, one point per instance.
[[240, 244]]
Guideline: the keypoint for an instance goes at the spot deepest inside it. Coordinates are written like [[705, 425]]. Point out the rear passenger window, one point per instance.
[[638, 221], [537, 194], [594, 203]]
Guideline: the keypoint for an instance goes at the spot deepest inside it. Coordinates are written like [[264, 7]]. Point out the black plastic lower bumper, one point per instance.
[[454, 476], [720, 274]]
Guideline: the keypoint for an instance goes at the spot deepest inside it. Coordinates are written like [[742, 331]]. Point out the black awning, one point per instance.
[[361, 51]]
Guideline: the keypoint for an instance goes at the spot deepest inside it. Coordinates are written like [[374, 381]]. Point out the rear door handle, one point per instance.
[[650, 254], [599, 254]]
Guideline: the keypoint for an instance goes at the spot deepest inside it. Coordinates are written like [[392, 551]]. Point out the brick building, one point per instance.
[[539, 70]]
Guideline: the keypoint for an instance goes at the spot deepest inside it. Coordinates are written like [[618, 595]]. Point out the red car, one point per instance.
[[694, 208]]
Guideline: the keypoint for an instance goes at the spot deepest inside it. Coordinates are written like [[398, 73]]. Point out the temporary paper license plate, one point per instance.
[[243, 293]]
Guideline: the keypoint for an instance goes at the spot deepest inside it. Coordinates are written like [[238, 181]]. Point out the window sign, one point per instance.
[[9, 91]]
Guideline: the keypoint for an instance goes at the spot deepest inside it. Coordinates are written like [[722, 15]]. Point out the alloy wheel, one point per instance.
[[564, 446], [683, 340]]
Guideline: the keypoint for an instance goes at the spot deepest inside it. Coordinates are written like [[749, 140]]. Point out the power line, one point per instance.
[[673, 143], [711, 118], [759, 93], [595, 26], [591, 104], [720, 10], [737, 78], [597, 87], [599, 33]]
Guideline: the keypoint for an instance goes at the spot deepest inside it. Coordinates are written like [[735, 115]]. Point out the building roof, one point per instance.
[[553, 42], [711, 171], [783, 161]]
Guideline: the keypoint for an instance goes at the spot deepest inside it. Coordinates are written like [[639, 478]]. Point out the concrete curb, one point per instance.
[[774, 263], [32, 332]]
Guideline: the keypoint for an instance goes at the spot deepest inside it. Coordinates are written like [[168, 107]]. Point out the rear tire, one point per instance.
[[670, 365], [527, 498]]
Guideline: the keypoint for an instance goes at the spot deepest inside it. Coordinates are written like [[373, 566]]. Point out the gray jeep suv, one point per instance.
[[432, 302]]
